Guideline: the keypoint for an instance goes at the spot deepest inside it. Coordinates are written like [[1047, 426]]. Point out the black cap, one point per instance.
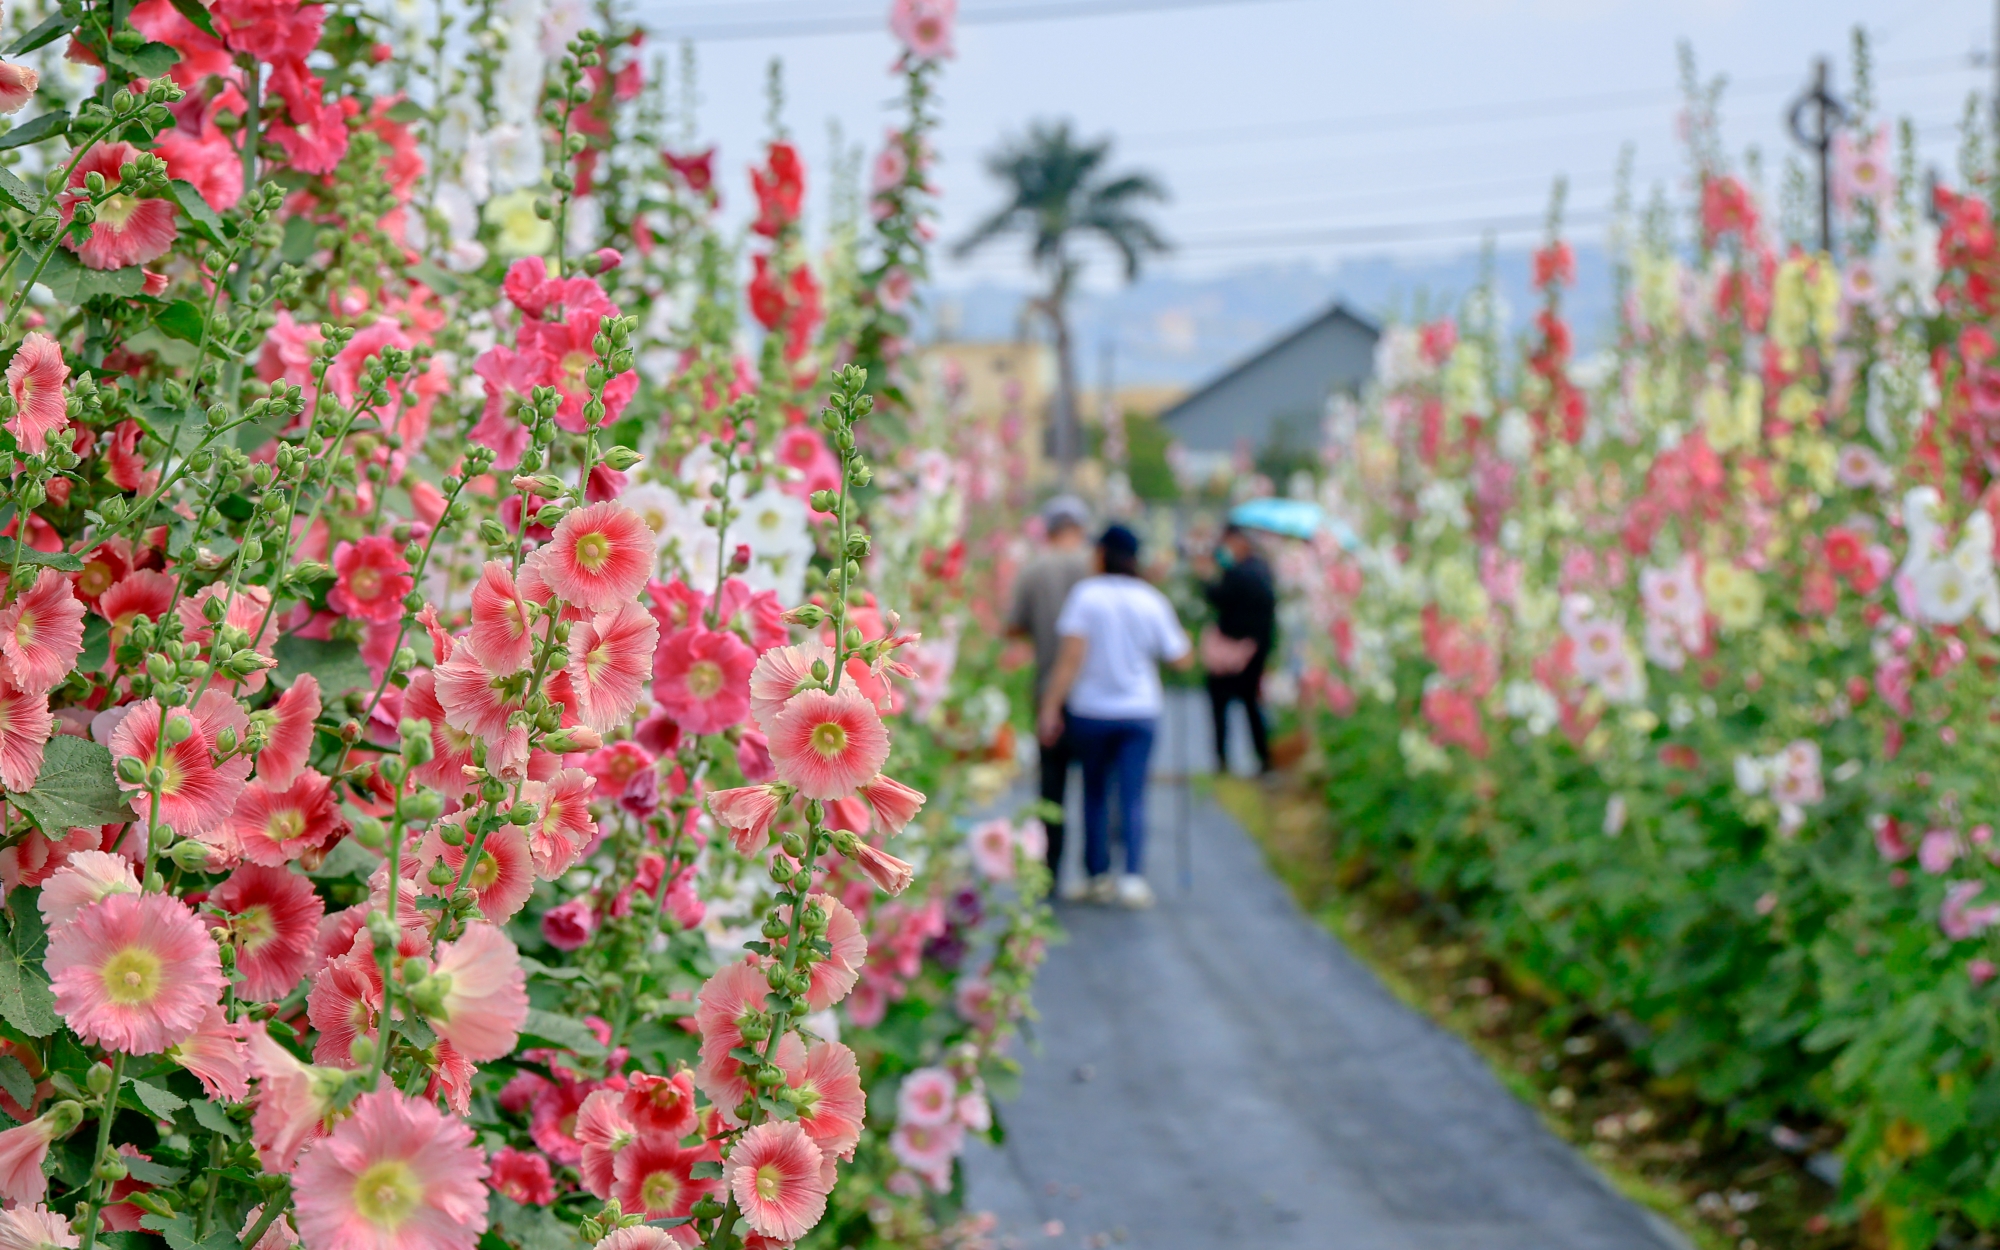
[[1117, 540]]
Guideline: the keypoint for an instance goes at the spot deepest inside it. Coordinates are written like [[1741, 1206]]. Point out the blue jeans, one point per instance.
[[1110, 749]]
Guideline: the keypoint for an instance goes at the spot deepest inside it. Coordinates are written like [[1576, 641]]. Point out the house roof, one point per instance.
[[1287, 379]]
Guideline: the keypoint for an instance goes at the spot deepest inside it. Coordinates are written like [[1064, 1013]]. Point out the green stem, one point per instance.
[[99, 1188]]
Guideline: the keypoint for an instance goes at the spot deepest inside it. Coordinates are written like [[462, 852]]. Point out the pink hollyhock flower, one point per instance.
[[600, 556], [835, 973], [275, 825], [662, 1105], [654, 1176], [734, 993], [128, 230], [22, 1150], [451, 748], [523, 1176], [373, 577], [568, 926], [928, 1151], [642, 1237], [485, 1000], [18, 84], [208, 162], [889, 874], [500, 619], [24, 732], [753, 757], [197, 796], [396, 1175], [35, 1227], [552, 1120], [501, 880], [702, 679], [828, 744], [747, 812], [290, 741], [616, 763], [478, 704], [774, 1171], [275, 926], [278, 1236], [36, 378], [293, 1100], [831, 1102], [344, 1004], [288, 349], [927, 1097], [610, 661], [134, 972], [782, 672], [924, 26], [893, 803], [992, 845], [85, 877], [604, 1128], [1959, 918], [142, 592], [312, 131], [217, 1056], [562, 827]]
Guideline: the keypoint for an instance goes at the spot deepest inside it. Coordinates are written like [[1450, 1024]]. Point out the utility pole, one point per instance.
[[1827, 114]]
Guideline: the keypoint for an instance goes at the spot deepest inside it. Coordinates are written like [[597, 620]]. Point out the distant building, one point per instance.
[[1010, 384], [1275, 400]]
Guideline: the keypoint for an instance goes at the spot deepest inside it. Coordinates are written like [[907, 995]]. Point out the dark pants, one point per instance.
[[1056, 760], [1112, 750], [1245, 687]]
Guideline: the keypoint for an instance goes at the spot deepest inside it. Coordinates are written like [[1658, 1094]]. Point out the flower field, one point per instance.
[[484, 757], [1672, 671]]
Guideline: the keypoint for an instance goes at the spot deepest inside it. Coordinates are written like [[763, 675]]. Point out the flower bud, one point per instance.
[[189, 855]]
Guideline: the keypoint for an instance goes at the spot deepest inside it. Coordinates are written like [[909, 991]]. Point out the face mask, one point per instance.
[[1224, 557]]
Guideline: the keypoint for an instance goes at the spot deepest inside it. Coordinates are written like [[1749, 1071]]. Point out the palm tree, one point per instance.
[[1058, 196]]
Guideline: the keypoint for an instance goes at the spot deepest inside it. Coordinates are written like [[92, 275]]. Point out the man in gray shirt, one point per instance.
[[1039, 592]]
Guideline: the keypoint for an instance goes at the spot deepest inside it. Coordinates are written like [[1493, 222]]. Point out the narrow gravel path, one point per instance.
[[1219, 1072]]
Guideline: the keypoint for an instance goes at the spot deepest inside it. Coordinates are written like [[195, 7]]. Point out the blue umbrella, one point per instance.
[[1292, 518]]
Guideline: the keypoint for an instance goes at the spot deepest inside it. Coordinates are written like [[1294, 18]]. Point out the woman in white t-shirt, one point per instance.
[[1116, 630]]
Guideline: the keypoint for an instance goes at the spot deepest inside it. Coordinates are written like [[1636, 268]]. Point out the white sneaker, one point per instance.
[[1133, 892], [1074, 892], [1103, 889]]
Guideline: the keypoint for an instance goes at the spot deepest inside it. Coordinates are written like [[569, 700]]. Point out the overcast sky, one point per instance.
[[1313, 129]]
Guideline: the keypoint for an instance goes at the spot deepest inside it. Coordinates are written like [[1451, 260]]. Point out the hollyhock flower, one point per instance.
[[35, 1228], [568, 926], [523, 1176], [479, 704], [562, 828], [502, 879], [753, 757], [485, 1000], [274, 825], [24, 732], [372, 578], [992, 845], [774, 1171], [1959, 918], [217, 1056], [500, 619], [552, 1120], [928, 1151], [22, 1150], [1938, 851], [885, 870], [127, 230], [344, 1004], [270, 30], [780, 188], [834, 974], [616, 763], [1859, 467], [84, 877], [396, 1175], [276, 927], [206, 161], [603, 1128], [451, 748], [747, 812], [142, 592], [36, 378], [610, 661], [312, 131], [831, 1102], [197, 796], [290, 740], [734, 993], [653, 1176], [828, 744], [924, 26], [701, 678], [893, 803], [18, 84], [280, 1235], [644, 1237], [134, 972], [599, 557], [293, 1100], [927, 1097], [662, 1105]]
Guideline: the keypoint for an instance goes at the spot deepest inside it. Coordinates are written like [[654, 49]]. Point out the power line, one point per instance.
[[813, 20]]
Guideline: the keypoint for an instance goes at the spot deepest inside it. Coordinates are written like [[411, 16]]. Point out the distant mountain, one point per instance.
[[1167, 329]]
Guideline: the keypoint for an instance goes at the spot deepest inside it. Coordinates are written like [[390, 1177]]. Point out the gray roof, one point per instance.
[[1278, 395]]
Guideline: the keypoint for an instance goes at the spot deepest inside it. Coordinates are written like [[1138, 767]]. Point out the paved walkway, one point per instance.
[[1220, 1073]]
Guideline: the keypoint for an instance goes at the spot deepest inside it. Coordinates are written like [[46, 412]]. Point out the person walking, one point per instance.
[[1039, 593], [1116, 630], [1236, 647]]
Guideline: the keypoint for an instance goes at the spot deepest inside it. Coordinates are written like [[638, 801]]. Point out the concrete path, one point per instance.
[[1219, 1072]]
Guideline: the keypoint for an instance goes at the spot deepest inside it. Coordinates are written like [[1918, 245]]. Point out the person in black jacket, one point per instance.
[[1238, 645]]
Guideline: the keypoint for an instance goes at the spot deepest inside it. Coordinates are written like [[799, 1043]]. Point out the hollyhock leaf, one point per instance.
[[181, 320], [198, 210], [178, 1229], [19, 193], [75, 787], [70, 280], [346, 859], [527, 1228], [407, 111], [675, 1222], [706, 1170], [301, 240], [548, 1029], [196, 12], [35, 129], [15, 1080], [337, 664], [26, 1002], [532, 966], [149, 60], [212, 1117], [152, 1173], [51, 29], [62, 561], [96, 644], [163, 1103]]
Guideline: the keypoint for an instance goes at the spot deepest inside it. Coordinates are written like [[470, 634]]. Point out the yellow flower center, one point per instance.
[[117, 210], [254, 927], [367, 583], [132, 976], [660, 1191], [388, 1193], [770, 1182], [592, 551], [829, 738], [484, 873], [285, 825], [704, 679]]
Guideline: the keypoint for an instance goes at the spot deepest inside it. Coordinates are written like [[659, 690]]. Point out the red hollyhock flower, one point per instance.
[[373, 578], [780, 188], [128, 230], [276, 926]]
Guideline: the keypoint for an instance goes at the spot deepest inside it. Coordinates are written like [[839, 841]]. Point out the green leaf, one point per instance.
[[152, 1173], [70, 281], [706, 1170], [25, 999], [178, 1229], [148, 60], [76, 788], [182, 319], [406, 111], [18, 193], [532, 966], [670, 1222], [191, 202], [52, 28], [35, 129], [194, 11], [161, 1102], [212, 1117], [548, 1029], [61, 560], [337, 664], [96, 644], [15, 1080]]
